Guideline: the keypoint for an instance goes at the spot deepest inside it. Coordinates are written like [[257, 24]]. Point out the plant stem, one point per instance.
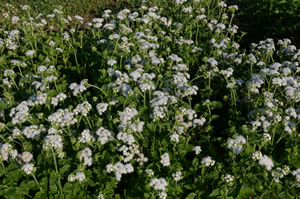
[[37, 182], [56, 170]]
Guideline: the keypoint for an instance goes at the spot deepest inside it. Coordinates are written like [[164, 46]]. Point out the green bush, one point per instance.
[[269, 18]]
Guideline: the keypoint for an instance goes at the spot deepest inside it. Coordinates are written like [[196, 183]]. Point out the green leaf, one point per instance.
[[44, 183], [215, 192], [64, 169], [213, 117], [68, 187], [69, 196], [62, 87], [245, 192], [195, 162], [53, 178], [40, 195], [31, 184], [53, 189], [191, 196], [52, 93], [3, 105], [197, 108], [215, 105]]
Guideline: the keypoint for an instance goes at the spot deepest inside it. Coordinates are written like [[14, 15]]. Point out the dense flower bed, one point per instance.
[[159, 101]]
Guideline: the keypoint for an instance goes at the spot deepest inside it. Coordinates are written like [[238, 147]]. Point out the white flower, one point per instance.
[[150, 172], [207, 161], [86, 156], [267, 162], [77, 88], [111, 62], [86, 136], [212, 61], [54, 141], [51, 43], [104, 135], [236, 144], [125, 137], [30, 53], [158, 184], [174, 137], [101, 108], [199, 122], [296, 173], [71, 178], [177, 176], [15, 19], [165, 159], [197, 149], [78, 18], [28, 168], [256, 155], [26, 156], [80, 176], [228, 178]]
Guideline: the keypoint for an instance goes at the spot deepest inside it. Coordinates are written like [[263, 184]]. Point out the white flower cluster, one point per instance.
[[39, 99], [197, 149], [279, 173], [104, 135], [208, 161], [125, 137], [137, 127], [28, 168], [62, 118], [177, 176], [119, 169], [32, 131], [80, 176], [53, 141], [101, 108], [266, 162], [58, 98], [174, 138], [165, 159], [228, 178], [86, 156], [126, 117], [146, 83], [26, 157], [86, 136], [20, 113], [159, 184], [236, 144], [296, 173], [77, 88], [30, 53], [256, 155], [83, 108], [7, 150]]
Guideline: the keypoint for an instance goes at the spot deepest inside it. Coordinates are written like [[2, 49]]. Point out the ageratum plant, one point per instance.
[[154, 102]]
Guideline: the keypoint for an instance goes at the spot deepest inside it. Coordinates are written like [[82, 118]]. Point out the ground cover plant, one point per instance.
[[156, 101]]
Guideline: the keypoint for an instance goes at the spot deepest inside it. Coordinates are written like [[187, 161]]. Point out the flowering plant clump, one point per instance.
[[153, 102]]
